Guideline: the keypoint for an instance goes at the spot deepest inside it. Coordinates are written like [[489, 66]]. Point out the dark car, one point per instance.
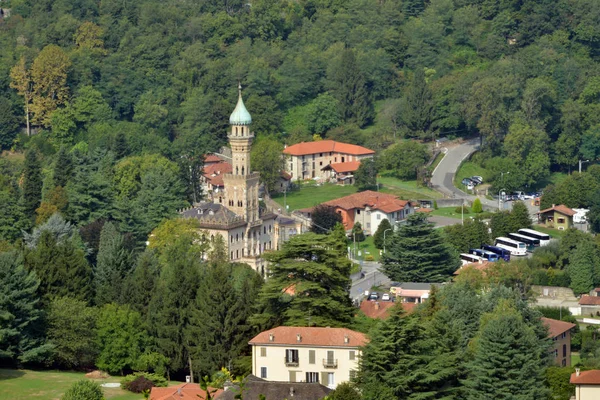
[[477, 179], [374, 296], [467, 182]]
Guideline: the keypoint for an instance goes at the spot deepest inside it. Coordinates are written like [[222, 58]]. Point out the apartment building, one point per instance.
[[307, 354], [560, 332]]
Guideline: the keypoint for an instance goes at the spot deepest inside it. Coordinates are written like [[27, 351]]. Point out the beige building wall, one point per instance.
[[309, 166], [561, 352], [269, 362], [587, 392]]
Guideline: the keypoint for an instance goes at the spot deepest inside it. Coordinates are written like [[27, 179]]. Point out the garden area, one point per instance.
[[51, 385]]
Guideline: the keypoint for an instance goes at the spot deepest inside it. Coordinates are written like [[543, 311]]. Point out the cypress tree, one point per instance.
[[384, 225], [418, 253], [113, 264], [357, 232], [121, 149], [32, 183]]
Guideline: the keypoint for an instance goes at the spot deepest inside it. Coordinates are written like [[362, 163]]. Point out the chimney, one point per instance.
[[577, 371], [346, 339], [298, 338], [553, 205], [271, 337]]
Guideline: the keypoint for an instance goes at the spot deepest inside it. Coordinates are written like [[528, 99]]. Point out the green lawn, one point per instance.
[[466, 170], [450, 212], [555, 233], [51, 385], [310, 196], [575, 358], [367, 248], [408, 190]]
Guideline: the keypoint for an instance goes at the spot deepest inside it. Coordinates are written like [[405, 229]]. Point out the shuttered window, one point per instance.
[[352, 354], [263, 351], [311, 356]]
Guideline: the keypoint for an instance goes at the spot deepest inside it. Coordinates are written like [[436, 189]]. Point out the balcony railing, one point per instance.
[[330, 363], [290, 363]]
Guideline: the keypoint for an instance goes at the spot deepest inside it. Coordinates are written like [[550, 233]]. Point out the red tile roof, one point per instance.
[[591, 377], [556, 327], [211, 158], [586, 300], [424, 210], [350, 166], [376, 200], [561, 208], [311, 336], [286, 176], [185, 391], [369, 308], [214, 172], [326, 146]]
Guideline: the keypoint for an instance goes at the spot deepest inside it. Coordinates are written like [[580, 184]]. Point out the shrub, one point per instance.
[[139, 385], [477, 207], [465, 210], [84, 390], [369, 258], [157, 380], [435, 206]]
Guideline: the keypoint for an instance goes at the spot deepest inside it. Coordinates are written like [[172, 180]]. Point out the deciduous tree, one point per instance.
[[324, 219], [266, 158], [378, 237]]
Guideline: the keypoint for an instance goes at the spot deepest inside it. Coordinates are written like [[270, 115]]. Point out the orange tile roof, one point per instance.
[[424, 210], [591, 377], [350, 166], [185, 391], [556, 327], [586, 300], [376, 200], [311, 336], [211, 158], [369, 308], [561, 208], [326, 146], [214, 172]]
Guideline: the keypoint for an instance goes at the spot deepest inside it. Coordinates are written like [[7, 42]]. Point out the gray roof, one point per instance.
[[254, 387], [212, 215]]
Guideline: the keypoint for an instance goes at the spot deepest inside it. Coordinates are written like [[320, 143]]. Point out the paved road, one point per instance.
[[373, 277], [442, 178]]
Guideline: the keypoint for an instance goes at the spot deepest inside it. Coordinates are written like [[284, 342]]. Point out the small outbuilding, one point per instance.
[[557, 216]]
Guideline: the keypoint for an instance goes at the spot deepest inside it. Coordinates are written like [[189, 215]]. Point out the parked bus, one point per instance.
[[515, 248], [502, 253], [486, 255], [469, 258], [542, 237], [530, 242]]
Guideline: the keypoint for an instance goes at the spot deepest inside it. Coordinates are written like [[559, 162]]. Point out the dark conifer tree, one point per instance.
[[324, 219], [62, 168], [419, 253], [121, 148], [365, 177], [358, 234], [32, 183], [113, 265], [141, 283]]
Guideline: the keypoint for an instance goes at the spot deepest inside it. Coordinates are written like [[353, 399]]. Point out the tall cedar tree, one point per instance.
[[61, 268], [113, 265], [351, 90], [20, 312], [63, 167], [508, 359], [32, 183], [218, 330], [365, 177], [324, 219], [378, 237], [172, 303], [308, 284], [417, 104], [71, 330], [120, 146], [12, 213], [583, 262], [419, 253]]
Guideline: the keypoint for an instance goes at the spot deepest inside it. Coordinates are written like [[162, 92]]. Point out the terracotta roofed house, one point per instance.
[[185, 391], [307, 160], [307, 354], [560, 217], [370, 208], [587, 384], [560, 332]]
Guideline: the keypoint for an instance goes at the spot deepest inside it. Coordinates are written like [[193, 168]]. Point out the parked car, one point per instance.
[[467, 181], [374, 296], [477, 179], [385, 297]]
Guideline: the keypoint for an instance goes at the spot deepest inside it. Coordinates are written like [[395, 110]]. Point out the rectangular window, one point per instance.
[[330, 356], [564, 350], [291, 357], [330, 381], [357, 212], [314, 156], [311, 356], [312, 377], [263, 372], [352, 355], [561, 220], [292, 376], [368, 225], [324, 378], [320, 154], [320, 163], [313, 165], [378, 216], [263, 351]]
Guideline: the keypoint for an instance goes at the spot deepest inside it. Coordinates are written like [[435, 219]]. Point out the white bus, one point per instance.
[[515, 248], [529, 241], [469, 258], [542, 237]]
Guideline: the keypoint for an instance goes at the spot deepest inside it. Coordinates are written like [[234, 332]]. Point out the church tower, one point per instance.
[[241, 185]]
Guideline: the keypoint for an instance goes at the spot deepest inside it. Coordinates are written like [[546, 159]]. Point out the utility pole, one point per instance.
[[582, 162]]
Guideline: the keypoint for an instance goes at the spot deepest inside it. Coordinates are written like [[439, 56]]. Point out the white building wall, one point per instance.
[[277, 370]]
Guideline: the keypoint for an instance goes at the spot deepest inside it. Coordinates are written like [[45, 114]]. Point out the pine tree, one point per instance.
[[62, 168], [121, 149], [313, 274], [509, 359], [13, 220], [417, 104], [384, 225], [519, 216], [141, 282], [32, 183], [582, 264], [413, 8], [418, 253], [358, 234], [20, 313], [113, 264]]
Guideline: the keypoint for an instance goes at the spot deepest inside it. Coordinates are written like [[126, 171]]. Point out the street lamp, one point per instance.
[[384, 232], [582, 162], [499, 199]]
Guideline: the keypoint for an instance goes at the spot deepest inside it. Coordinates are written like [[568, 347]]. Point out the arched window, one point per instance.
[[242, 170], [237, 171], [237, 237]]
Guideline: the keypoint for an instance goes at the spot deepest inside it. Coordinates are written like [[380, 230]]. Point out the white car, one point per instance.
[[385, 297]]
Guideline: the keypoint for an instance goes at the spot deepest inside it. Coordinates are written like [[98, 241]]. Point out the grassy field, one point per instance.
[[408, 190], [367, 248], [555, 233], [450, 212], [310, 196], [51, 385]]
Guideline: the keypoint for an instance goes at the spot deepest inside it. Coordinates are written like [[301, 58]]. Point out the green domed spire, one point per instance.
[[240, 116]]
